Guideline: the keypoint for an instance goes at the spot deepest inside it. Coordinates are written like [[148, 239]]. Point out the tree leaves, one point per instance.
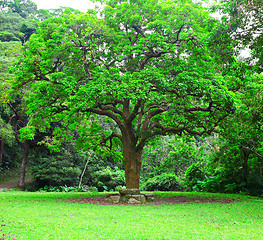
[[156, 63]]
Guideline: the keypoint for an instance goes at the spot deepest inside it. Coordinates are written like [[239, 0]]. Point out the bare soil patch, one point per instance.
[[156, 201]]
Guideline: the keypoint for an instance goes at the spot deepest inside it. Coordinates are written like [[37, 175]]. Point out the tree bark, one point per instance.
[[25, 146], [132, 165], [1, 149]]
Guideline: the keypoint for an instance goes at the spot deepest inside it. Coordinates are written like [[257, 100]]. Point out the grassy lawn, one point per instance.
[[47, 216]]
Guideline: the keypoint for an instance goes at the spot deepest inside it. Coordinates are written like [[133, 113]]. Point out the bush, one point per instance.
[[223, 181], [163, 182], [119, 187], [211, 184], [108, 179], [55, 171], [193, 176]]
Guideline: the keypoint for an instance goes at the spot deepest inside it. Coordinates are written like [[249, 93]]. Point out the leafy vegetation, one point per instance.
[[165, 88], [163, 98], [163, 182]]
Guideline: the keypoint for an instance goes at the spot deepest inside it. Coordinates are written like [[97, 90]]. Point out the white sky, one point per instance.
[[81, 5]]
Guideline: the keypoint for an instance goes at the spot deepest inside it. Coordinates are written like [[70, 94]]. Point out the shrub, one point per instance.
[[210, 184], [194, 175], [108, 179], [163, 182], [55, 171]]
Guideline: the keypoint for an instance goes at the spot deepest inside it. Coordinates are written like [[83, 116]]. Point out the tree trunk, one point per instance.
[[132, 164], [23, 165], [1, 149]]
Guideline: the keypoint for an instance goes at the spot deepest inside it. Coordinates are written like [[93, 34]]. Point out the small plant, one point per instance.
[[231, 188], [85, 188], [58, 189], [210, 184]]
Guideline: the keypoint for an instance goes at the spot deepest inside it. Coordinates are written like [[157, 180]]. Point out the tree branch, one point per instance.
[[108, 114], [160, 109], [200, 109], [109, 138], [135, 111], [110, 107]]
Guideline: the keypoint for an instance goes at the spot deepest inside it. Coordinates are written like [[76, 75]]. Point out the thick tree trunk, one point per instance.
[[23, 165], [1, 150], [132, 164]]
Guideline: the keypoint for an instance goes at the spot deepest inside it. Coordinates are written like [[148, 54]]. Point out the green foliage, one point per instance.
[[10, 24], [57, 189], [168, 154], [227, 181], [6, 133], [25, 8], [163, 182], [212, 184], [255, 185], [7, 37], [193, 174], [108, 179], [147, 68], [243, 22], [56, 170], [65, 189], [148, 75]]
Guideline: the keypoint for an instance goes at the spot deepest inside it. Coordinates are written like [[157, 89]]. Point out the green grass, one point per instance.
[[47, 216]]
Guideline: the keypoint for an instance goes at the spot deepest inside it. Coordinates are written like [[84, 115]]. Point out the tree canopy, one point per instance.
[[145, 67]]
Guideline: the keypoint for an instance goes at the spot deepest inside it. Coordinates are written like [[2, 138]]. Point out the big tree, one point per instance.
[[142, 67]]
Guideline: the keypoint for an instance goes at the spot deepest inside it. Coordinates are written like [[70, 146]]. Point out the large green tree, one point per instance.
[[143, 67]]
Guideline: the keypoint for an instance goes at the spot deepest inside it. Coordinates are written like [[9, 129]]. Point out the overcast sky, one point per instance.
[[82, 5]]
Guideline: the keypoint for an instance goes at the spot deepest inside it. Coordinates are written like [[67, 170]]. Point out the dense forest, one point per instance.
[[157, 95]]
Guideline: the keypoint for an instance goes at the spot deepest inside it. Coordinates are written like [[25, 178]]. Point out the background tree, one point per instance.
[[242, 25], [145, 67], [18, 20], [240, 142], [8, 53], [240, 146]]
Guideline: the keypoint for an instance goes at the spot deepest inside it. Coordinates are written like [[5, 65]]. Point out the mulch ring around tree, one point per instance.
[[156, 201]]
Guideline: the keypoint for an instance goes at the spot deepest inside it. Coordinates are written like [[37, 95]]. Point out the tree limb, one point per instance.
[[109, 138]]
